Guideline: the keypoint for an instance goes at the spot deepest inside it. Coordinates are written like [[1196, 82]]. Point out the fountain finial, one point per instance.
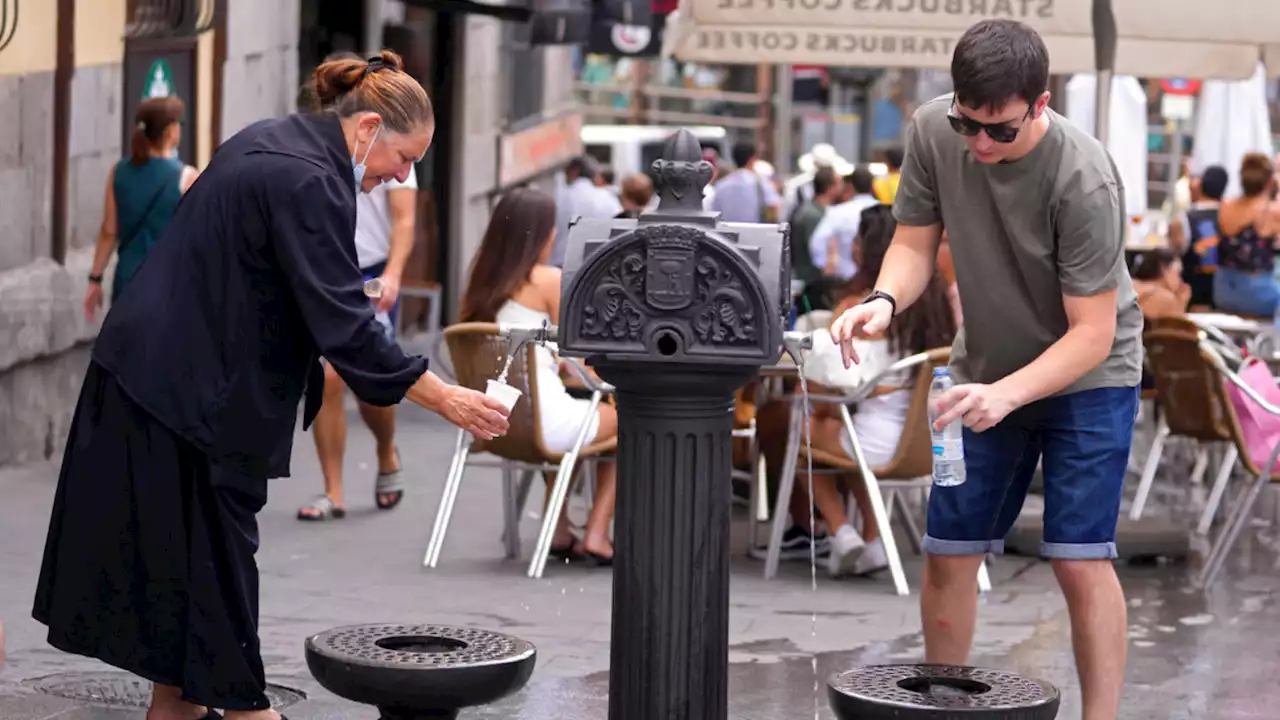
[[681, 175]]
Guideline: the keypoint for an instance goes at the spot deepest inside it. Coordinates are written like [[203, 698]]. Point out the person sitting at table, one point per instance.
[[1157, 279], [512, 283], [878, 420], [1244, 283]]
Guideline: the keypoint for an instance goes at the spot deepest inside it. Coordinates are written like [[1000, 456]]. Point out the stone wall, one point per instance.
[[260, 78], [43, 358], [44, 339]]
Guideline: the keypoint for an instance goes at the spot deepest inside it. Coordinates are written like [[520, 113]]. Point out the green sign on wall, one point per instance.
[[159, 81]]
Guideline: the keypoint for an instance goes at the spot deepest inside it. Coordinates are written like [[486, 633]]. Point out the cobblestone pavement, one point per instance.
[[1192, 656]]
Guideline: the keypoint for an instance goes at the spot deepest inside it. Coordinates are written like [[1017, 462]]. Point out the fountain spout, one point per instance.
[[793, 342], [520, 335]]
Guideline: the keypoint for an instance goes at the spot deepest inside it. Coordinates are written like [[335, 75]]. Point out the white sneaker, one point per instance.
[[846, 547], [873, 559]]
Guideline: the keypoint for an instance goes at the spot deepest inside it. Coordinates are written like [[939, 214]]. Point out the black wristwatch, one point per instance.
[[95, 279], [881, 295]]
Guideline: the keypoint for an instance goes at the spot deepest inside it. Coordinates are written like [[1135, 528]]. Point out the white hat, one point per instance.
[[823, 154]]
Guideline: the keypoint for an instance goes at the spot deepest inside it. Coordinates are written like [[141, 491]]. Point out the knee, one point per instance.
[[1080, 574], [333, 385], [944, 571]]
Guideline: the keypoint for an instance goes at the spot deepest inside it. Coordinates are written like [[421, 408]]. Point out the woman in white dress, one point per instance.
[[512, 283], [878, 420]]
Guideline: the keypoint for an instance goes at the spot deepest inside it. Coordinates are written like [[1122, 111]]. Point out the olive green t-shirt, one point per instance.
[[1023, 234]]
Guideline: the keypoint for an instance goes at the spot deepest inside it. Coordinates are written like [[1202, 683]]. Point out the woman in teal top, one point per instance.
[[142, 192]]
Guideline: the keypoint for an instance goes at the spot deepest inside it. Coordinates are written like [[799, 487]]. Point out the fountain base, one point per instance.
[[419, 672], [938, 692]]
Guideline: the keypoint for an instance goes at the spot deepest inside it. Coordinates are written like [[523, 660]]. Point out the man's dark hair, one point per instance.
[[1213, 182], [582, 166], [743, 153], [862, 180], [996, 61], [893, 158], [824, 178]]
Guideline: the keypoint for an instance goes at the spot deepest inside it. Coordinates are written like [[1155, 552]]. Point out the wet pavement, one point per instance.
[[1192, 655]]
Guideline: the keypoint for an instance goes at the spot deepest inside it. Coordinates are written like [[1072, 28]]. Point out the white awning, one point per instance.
[[1157, 38], [1241, 21], [931, 49]]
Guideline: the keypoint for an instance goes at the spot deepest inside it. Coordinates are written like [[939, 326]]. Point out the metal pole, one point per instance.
[[1104, 39], [782, 121]]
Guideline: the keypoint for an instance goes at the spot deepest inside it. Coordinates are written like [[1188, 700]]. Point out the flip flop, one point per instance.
[[213, 715], [323, 510], [392, 484]]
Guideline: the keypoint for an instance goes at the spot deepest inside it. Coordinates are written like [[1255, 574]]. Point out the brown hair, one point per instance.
[[1151, 264], [518, 231], [929, 322], [638, 188], [153, 118], [347, 86], [1257, 172]]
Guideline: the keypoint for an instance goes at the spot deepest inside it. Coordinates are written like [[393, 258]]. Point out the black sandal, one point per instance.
[[567, 553], [214, 715], [322, 509], [389, 484]]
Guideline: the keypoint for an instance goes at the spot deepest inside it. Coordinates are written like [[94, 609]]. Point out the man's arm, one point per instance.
[[1089, 239], [401, 207]]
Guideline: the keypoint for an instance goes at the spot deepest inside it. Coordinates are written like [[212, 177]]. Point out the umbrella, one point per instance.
[[1126, 134], [1231, 121]]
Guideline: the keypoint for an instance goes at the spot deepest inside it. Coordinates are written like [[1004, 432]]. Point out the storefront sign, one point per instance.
[[618, 40], [161, 68], [1242, 21], [534, 151], [925, 49]]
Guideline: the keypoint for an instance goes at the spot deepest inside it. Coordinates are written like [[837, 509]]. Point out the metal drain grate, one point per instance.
[[116, 689]]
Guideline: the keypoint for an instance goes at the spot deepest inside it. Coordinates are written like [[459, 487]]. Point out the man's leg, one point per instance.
[[1086, 452], [381, 421], [330, 432], [965, 522]]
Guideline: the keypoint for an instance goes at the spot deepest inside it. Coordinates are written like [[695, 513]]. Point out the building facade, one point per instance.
[[505, 112]]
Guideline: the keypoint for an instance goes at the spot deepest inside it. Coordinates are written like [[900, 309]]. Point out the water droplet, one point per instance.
[[1193, 620]]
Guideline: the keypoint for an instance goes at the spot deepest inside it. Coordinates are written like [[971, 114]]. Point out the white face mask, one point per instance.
[[358, 168]]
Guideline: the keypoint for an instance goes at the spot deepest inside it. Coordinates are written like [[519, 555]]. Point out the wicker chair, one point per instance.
[[478, 354]]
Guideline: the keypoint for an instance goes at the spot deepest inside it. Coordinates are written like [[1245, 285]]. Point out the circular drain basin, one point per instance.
[[122, 690], [939, 692]]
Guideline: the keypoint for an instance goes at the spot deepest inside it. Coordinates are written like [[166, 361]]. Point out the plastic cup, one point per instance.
[[503, 393], [373, 288]]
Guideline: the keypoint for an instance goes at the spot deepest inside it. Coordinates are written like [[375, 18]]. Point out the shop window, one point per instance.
[[525, 75]]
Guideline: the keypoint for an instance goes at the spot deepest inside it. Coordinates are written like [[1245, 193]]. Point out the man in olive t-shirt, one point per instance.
[[1049, 360]]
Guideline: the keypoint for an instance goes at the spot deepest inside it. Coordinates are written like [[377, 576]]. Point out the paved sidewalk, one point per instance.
[[1191, 657]]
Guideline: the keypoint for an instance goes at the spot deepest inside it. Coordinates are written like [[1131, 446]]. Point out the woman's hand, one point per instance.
[[475, 412], [92, 300]]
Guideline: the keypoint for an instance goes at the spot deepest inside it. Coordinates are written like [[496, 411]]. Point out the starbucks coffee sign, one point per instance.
[[1242, 21], [932, 49]]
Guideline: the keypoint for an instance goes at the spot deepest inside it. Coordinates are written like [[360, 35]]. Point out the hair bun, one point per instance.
[[388, 59], [335, 78]]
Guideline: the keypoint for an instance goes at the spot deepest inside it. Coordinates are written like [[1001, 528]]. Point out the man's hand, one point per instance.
[[868, 318], [980, 406], [390, 291]]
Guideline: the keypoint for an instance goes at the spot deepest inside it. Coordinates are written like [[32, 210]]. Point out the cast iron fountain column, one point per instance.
[[677, 310]]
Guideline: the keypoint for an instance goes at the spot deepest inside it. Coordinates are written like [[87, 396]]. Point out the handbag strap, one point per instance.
[[125, 240]]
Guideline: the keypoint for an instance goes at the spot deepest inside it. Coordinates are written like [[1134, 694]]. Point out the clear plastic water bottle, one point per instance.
[[948, 443]]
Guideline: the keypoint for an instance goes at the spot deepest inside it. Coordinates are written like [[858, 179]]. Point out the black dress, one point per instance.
[[189, 406]]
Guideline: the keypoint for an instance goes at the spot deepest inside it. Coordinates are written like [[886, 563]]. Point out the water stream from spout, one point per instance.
[[797, 355]]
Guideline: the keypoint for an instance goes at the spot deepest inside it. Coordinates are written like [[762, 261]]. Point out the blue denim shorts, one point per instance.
[[1084, 441]]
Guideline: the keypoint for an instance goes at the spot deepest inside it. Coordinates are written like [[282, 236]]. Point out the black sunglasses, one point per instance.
[[1001, 132]]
